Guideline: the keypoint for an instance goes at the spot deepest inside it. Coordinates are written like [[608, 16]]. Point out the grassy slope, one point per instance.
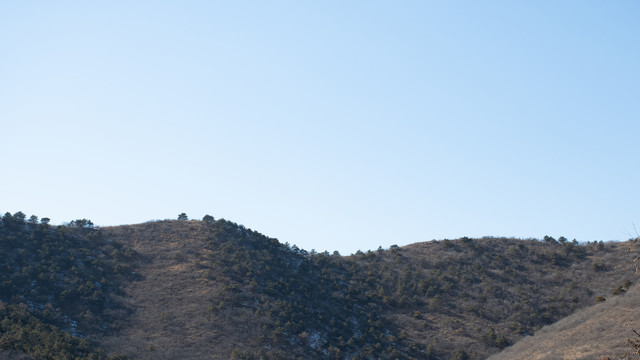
[[197, 290], [592, 333], [173, 296], [500, 289], [209, 290]]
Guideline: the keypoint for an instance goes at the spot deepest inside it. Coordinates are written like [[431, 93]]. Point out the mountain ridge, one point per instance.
[[215, 289]]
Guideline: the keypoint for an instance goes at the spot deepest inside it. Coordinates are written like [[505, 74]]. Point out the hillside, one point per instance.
[[215, 289], [597, 332], [56, 285]]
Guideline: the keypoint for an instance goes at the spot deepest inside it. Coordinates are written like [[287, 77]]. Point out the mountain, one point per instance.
[[213, 289]]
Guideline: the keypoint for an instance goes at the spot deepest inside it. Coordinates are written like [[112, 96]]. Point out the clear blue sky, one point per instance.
[[333, 125]]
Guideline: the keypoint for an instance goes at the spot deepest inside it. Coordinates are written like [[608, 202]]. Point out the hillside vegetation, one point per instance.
[[215, 289], [56, 284], [597, 332]]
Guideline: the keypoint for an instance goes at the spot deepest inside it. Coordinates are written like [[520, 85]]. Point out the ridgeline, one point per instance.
[[213, 289]]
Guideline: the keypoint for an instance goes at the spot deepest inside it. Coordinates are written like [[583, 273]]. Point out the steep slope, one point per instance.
[[473, 297], [171, 296], [215, 289], [599, 331], [57, 283], [219, 289]]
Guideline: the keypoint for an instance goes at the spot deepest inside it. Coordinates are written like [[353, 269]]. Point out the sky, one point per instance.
[[332, 125]]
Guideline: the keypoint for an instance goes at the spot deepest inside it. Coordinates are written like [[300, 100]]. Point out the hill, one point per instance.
[[56, 284], [597, 332], [215, 289]]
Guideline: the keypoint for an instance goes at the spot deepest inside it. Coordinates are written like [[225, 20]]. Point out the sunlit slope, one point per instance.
[[592, 333], [184, 289], [218, 288]]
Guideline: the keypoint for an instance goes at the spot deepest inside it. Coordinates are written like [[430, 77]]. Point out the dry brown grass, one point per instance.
[[591, 333], [178, 287], [461, 328], [172, 296]]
